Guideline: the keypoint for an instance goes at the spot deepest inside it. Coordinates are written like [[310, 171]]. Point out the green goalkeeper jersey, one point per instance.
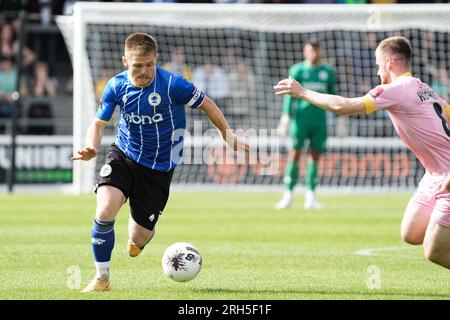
[[319, 78]]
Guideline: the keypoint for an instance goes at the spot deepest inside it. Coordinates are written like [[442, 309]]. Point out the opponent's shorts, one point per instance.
[[315, 132], [147, 189], [430, 201]]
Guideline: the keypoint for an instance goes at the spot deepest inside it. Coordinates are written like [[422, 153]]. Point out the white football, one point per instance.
[[181, 262]]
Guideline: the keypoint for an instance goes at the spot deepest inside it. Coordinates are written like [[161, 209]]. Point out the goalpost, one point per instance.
[[251, 47]]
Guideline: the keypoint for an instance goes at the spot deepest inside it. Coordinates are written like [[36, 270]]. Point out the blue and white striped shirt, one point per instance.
[[152, 119]]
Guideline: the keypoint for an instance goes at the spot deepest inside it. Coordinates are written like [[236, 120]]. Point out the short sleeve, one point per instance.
[[384, 97], [295, 72], [107, 103], [184, 92]]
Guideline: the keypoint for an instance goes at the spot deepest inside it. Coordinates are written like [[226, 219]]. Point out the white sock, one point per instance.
[[102, 269], [309, 196], [288, 194]]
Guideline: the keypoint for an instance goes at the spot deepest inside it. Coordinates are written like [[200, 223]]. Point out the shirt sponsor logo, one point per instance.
[[316, 86], [143, 119]]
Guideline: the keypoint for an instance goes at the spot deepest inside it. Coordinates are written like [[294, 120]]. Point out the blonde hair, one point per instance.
[[396, 46], [141, 43]]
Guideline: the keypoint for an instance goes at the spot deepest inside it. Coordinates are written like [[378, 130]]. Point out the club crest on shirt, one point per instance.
[[377, 91], [154, 99], [323, 75]]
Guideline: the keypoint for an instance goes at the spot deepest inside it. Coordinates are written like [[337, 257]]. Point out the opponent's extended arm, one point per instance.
[[329, 102]]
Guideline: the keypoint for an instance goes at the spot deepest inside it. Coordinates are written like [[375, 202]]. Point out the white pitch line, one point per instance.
[[376, 251]]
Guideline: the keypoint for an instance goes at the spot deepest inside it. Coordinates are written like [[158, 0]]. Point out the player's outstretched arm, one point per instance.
[[93, 139], [329, 102], [218, 120]]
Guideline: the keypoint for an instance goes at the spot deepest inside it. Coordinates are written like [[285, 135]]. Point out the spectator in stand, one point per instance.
[[242, 83], [101, 81], [9, 45], [8, 79], [43, 86], [212, 79], [7, 41], [177, 64], [441, 83]]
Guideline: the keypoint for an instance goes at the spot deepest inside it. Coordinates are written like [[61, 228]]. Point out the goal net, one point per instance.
[[246, 50]]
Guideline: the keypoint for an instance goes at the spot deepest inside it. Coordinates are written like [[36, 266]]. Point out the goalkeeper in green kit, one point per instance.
[[306, 122]]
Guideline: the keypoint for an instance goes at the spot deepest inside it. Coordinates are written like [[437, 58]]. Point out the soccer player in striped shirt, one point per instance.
[[148, 146], [421, 119]]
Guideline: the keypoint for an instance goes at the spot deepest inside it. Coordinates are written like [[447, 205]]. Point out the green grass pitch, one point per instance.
[[250, 251]]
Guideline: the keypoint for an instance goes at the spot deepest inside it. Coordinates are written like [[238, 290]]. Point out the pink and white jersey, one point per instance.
[[419, 117]]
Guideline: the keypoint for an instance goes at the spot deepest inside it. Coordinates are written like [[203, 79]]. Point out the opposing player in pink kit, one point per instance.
[[420, 118]]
